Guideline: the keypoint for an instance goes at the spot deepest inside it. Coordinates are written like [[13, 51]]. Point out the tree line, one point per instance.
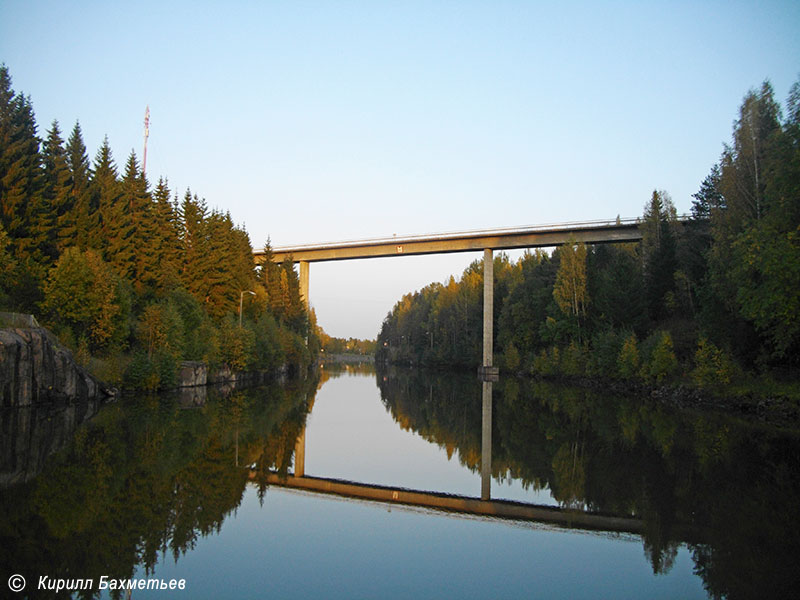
[[703, 297], [133, 275]]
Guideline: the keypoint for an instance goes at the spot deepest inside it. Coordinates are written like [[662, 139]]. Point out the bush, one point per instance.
[[662, 362], [141, 373], [160, 330], [200, 335], [236, 344], [628, 360], [712, 365], [159, 371], [294, 348], [547, 363], [268, 353], [606, 346], [573, 360]]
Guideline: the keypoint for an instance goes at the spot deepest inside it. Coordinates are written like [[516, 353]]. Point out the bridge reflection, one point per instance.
[[483, 507], [501, 509]]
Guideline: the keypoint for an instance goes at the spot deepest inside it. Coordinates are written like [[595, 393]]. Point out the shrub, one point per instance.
[[712, 365], [236, 345], [141, 373], [267, 350], [662, 361], [628, 360], [547, 363], [573, 359], [606, 346]]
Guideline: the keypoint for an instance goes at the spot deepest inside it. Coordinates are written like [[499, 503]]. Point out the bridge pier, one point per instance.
[[486, 371], [304, 268]]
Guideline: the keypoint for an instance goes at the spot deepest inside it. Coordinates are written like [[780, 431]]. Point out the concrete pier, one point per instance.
[[304, 283], [486, 371]]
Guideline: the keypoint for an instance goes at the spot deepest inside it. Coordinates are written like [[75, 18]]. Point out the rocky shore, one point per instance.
[[35, 368]]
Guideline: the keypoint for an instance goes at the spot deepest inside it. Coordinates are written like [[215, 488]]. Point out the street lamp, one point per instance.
[[241, 296]]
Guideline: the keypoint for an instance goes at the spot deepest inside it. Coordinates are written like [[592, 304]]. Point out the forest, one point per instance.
[[704, 299], [134, 278]]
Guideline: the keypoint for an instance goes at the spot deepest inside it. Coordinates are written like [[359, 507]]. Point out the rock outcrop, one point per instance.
[[35, 368]]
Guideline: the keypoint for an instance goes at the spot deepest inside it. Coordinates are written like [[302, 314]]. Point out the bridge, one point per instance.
[[487, 240]]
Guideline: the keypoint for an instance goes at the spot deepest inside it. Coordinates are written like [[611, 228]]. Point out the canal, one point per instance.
[[613, 497]]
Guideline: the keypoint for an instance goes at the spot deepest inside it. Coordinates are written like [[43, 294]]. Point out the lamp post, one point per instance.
[[241, 296]]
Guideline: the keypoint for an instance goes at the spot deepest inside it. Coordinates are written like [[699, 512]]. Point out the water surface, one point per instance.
[[159, 487]]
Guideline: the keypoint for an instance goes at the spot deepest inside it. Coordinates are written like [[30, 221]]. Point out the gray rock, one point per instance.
[[35, 368]]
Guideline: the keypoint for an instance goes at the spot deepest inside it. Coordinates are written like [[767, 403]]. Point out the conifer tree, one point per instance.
[[658, 248], [20, 169], [57, 221], [166, 238], [192, 217], [84, 205], [21, 199], [132, 252], [105, 192]]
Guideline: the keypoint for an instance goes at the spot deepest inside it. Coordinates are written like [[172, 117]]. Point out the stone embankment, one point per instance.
[[36, 368]]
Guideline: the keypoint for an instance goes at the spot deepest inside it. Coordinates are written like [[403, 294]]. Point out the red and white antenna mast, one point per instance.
[[146, 135]]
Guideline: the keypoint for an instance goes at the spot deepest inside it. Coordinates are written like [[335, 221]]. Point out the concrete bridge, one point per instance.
[[488, 240]]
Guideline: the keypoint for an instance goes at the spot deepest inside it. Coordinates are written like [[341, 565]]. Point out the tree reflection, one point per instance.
[[726, 488], [146, 478]]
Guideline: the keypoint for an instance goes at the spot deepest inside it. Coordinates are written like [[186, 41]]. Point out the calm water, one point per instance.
[[187, 489]]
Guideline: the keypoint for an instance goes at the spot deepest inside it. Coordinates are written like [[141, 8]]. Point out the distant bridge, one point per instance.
[[488, 240]]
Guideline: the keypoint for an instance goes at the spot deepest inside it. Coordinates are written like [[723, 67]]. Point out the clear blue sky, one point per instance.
[[320, 121]]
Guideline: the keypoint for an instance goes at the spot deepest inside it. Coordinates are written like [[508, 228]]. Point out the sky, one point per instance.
[[330, 121]]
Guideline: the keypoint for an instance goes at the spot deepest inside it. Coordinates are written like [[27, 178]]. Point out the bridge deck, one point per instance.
[[591, 232]]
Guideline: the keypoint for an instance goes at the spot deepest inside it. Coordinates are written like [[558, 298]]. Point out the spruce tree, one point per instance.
[[132, 253], [658, 253], [20, 170], [166, 238], [84, 204], [104, 193], [57, 222]]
